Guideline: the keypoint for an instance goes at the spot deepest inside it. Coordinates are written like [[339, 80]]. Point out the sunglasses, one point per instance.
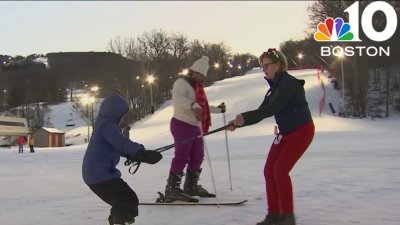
[[265, 66]]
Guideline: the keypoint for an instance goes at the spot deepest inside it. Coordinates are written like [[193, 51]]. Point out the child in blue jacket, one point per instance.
[[105, 148]]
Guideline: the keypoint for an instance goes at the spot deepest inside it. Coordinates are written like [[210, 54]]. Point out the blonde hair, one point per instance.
[[276, 57]]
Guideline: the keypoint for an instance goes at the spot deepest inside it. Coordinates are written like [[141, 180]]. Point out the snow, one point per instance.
[[349, 175]]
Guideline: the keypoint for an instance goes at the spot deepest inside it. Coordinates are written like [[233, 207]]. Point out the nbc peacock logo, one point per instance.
[[333, 30]]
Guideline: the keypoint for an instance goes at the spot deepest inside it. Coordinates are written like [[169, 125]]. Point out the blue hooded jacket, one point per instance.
[[107, 143]]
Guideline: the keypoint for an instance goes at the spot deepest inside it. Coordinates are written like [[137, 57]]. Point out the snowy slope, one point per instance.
[[349, 175]]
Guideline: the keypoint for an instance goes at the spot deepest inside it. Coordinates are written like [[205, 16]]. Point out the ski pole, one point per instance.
[[167, 147], [227, 151], [209, 163], [132, 163]]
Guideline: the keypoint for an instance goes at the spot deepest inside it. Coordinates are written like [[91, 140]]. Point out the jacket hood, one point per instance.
[[113, 108]]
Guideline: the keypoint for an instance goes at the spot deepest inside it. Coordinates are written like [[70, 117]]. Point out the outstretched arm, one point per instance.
[[282, 96]]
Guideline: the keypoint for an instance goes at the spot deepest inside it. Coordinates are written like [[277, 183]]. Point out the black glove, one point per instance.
[[222, 106], [147, 156]]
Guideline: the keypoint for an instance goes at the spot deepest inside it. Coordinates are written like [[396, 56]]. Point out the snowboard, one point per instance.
[[224, 201]]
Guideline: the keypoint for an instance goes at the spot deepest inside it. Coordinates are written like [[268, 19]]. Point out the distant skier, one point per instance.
[[191, 110], [20, 141], [105, 148], [31, 144], [286, 101]]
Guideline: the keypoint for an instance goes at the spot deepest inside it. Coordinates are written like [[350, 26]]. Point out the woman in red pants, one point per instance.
[[286, 101]]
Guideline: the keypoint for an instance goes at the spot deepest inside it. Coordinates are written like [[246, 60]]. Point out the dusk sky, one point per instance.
[[52, 26]]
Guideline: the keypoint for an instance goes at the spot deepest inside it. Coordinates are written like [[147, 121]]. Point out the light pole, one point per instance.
[[230, 68], [300, 56], [216, 66], [340, 55], [88, 100], [94, 90], [184, 72], [5, 98], [150, 79]]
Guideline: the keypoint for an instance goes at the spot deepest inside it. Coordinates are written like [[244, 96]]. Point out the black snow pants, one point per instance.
[[121, 197]]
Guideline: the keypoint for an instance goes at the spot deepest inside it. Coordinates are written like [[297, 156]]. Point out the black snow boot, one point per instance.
[[287, 219], [192, 188], [111, 221], [270, 219], [173, 192]]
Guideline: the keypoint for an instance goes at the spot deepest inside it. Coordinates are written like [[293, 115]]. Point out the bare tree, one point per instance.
[[179, 45], [155, 44], [320, 10], [36, 114], [116, 45], [126, 47], [218, 54], [196, 50]]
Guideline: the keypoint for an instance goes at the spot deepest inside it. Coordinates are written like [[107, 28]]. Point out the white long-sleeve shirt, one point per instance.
[[184, 101]]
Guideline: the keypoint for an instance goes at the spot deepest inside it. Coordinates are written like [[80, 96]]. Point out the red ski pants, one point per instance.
[[282, 156]]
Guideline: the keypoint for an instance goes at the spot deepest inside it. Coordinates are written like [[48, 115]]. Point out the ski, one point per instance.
[[223, 202], [196, 201]]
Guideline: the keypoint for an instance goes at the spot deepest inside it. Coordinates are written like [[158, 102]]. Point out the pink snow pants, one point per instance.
[[191, 152]]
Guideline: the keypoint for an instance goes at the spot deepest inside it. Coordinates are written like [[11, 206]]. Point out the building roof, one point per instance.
[[13, 126], [53, 130]]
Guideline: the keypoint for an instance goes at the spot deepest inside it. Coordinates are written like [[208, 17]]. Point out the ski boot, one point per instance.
[[173, 192], [287, 219], [192, 188], [270, 219], [111, 221]]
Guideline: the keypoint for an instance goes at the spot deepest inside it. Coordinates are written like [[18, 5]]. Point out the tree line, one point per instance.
[[122, 70]]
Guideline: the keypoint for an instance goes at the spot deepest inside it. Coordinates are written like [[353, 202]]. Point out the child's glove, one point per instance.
[[148, 156], [222, 106]]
